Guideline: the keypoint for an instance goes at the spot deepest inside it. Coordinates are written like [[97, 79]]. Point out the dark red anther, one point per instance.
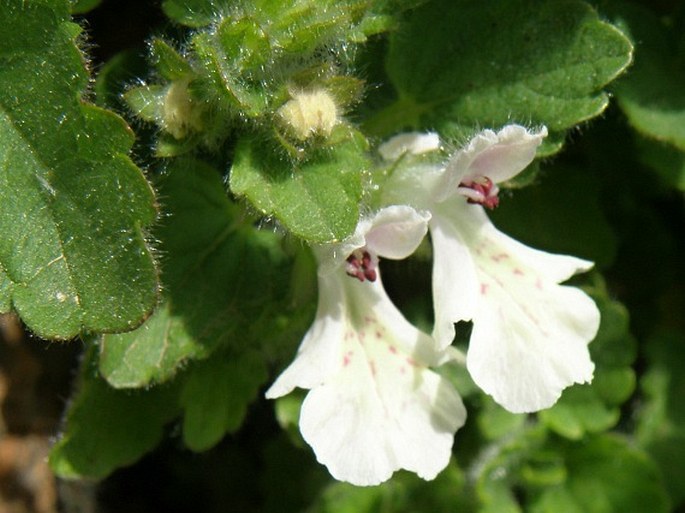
[[481, 191], [361, 265]]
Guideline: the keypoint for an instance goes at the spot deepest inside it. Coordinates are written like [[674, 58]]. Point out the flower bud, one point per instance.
[[310, 113], [181, 113]]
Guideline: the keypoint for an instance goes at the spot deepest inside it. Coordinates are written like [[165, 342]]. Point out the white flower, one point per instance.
[[530, 334], [374, 405], [412, 142]]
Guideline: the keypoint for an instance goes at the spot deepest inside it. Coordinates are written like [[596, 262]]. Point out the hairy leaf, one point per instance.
[[72, 203], [317, 200], [458, 66], [222, 280], [193, 13], [607, 474], [216, 394], [651, 94], [170, 64], [107, 428], [661, 427], [81, 6], [667, 160]]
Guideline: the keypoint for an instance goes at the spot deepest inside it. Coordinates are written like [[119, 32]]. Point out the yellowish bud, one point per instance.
[[181, 112], [310, 113]]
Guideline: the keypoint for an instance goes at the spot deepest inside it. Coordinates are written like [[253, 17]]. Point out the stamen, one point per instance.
[[481, 191], [362, 265]]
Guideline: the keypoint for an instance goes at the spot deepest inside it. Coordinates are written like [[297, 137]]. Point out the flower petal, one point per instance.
[[384, 410], [498, 156], [415, 143], [530, 334], [396, 231], [550, 266], [454, 281], [374, 405], [319, 354], [393, 232], [414, 185], [365, 431]]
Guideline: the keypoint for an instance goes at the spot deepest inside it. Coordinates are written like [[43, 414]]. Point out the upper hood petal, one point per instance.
[[498, 156]]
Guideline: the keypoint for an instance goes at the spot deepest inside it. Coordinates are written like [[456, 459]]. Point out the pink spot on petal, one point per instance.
[[538, 284], [411, 361], [483, 288], [518, 272], [379, 334], [392, 349], [499, 257], [372, 364]]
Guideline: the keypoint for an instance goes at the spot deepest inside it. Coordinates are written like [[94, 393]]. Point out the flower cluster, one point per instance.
[[375, 403]]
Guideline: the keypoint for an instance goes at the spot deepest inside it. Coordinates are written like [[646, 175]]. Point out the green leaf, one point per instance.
[[193, 13], [665, 159], [459, 65], [652, 94], [168, 61], [151, 353], [72, 203], [544, 468], [498, 467], [556, 499], [316, 200], [216, 394], [614, 385], [83, 6], [5, 291], [661, 421], [147, 102], [254, 50], [496, 497], [244, 42], [614, 346], [221, 81], [106, 428], [606, 474], [496, 422], [223, 282], [578, 412], [600, 474], [287, 410], [283, 29], [114, 78]]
